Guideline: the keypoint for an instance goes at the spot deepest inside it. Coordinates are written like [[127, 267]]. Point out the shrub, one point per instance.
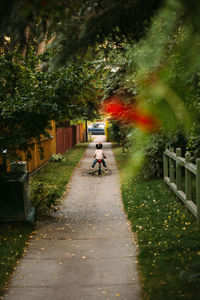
[[119, 133], [193, 145], [153, 166], [113, 130], [57, 157], [44, 197]]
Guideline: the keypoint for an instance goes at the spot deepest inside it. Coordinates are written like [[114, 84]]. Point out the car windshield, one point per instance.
[[99, 125]]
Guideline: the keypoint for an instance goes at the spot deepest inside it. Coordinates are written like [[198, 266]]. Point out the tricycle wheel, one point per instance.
[[99, 171]]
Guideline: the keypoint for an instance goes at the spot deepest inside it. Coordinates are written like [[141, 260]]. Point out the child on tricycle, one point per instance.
[[99, 155]]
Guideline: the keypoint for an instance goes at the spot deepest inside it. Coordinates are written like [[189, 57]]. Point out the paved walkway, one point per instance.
[[87, 250]]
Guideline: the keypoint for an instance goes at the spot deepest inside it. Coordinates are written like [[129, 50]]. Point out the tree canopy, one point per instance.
[[145, 51], [30, 97], [33, 91], [161, 73], [78, 23]]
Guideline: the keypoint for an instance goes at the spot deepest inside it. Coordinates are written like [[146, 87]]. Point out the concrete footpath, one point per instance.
[[86, 251]]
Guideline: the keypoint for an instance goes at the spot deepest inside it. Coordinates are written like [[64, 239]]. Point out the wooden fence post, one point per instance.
[[198, 190], [178, 171], [171, 167], [165, 166], [188, 179]]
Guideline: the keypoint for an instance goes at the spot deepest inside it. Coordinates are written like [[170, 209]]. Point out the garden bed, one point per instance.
[[168, 238], [14, 237]]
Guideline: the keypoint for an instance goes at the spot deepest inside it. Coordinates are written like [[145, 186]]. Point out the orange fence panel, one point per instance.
[[49, 148], [67, 137], [62, 139]]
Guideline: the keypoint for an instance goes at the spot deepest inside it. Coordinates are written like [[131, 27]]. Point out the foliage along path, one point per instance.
[[86, 250]]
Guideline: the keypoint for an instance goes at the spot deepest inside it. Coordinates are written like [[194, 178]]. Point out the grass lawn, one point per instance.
[[59, 173], [13, 240], [54, 176], [14, 237], [168, 238]]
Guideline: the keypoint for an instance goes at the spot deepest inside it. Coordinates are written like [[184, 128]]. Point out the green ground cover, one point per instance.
[[49, 183], [13, 240], [168, 238], [14, 237], [59, 173]]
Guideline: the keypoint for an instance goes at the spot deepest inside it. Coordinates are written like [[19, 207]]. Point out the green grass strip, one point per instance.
[[168, 238], [14, 237], [13, 240], [58, 174], [49, 183]]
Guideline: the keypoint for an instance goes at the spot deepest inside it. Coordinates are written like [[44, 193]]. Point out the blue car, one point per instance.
[[97, 128]]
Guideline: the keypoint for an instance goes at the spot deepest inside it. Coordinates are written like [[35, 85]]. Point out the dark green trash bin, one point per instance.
[[15, 205]]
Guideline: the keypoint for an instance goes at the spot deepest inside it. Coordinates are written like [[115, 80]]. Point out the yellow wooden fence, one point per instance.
[[49, 148]]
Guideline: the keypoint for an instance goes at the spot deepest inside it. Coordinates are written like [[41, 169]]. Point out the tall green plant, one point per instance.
[[161, 74], [30, 97]]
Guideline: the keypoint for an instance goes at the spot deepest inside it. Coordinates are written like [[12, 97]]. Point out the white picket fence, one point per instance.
[[173, 176]]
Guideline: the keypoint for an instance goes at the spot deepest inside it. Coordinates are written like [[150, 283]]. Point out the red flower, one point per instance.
[[44, 3], [130, 114]]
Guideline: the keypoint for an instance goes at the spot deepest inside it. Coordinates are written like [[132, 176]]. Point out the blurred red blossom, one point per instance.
[[44, 3], [132, 114]]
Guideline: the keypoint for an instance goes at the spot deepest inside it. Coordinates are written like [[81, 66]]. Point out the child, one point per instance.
[[98, 154]]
